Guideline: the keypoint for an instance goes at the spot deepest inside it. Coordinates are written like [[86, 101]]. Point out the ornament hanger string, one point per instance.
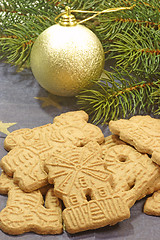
[[96, 13]]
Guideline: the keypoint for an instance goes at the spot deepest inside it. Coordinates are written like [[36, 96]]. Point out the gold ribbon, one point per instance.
[[68, 11]]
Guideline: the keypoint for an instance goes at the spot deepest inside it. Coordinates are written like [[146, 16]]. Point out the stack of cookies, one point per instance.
[[97, 179]]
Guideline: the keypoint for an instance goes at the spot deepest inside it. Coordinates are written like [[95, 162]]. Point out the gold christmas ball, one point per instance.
[[65, 59]]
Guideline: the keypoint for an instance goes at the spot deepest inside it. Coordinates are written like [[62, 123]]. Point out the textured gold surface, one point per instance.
[[65, 59]]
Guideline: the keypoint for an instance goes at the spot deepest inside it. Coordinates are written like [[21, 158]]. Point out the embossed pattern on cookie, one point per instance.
[[70, 127], [110, 141], [142, 132], [26, 167], [25, 211], [81, 181], [31, 147], [95, 214], [77, 173], [133, 173]]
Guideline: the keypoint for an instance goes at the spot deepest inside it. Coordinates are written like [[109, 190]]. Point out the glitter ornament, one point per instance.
[[66, 57]]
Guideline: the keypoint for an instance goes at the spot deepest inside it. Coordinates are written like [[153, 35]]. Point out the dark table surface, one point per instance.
[[19, 105]]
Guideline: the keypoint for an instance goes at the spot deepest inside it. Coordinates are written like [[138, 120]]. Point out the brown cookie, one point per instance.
[[6, 183], [133, 173], [25, 211], [81, 181], [155, 186], [142, 132], [25, 164], [70, 127], [152, 204], [31, 147]]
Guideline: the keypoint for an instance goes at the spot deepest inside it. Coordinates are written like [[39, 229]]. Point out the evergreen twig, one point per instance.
[[156, 100], [119, 94]]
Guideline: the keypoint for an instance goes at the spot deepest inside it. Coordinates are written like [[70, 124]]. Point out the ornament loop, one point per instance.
[[106, 11], [68, 19]]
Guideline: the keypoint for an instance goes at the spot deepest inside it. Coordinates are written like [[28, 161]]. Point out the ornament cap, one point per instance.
[[68, 19]]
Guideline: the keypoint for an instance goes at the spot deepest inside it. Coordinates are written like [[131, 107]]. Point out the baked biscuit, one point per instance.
[[142, 132], [25, 211], [25, 165], [133, 173], [152, 204], [31, 147], [70, 127], [154, 187], [81, 181]]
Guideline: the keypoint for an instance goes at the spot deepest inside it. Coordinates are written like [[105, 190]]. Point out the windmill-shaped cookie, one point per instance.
[[84, 185]]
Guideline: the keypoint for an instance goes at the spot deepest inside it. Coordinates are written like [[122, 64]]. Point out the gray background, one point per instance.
[[18, 105]]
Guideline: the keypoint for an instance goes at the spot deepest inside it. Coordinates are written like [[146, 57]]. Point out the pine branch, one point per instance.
[[21, 25], [138, 50], [118, 95], [132, 37], [13, 12], [115, 30], [17, 40], [156, 98]]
